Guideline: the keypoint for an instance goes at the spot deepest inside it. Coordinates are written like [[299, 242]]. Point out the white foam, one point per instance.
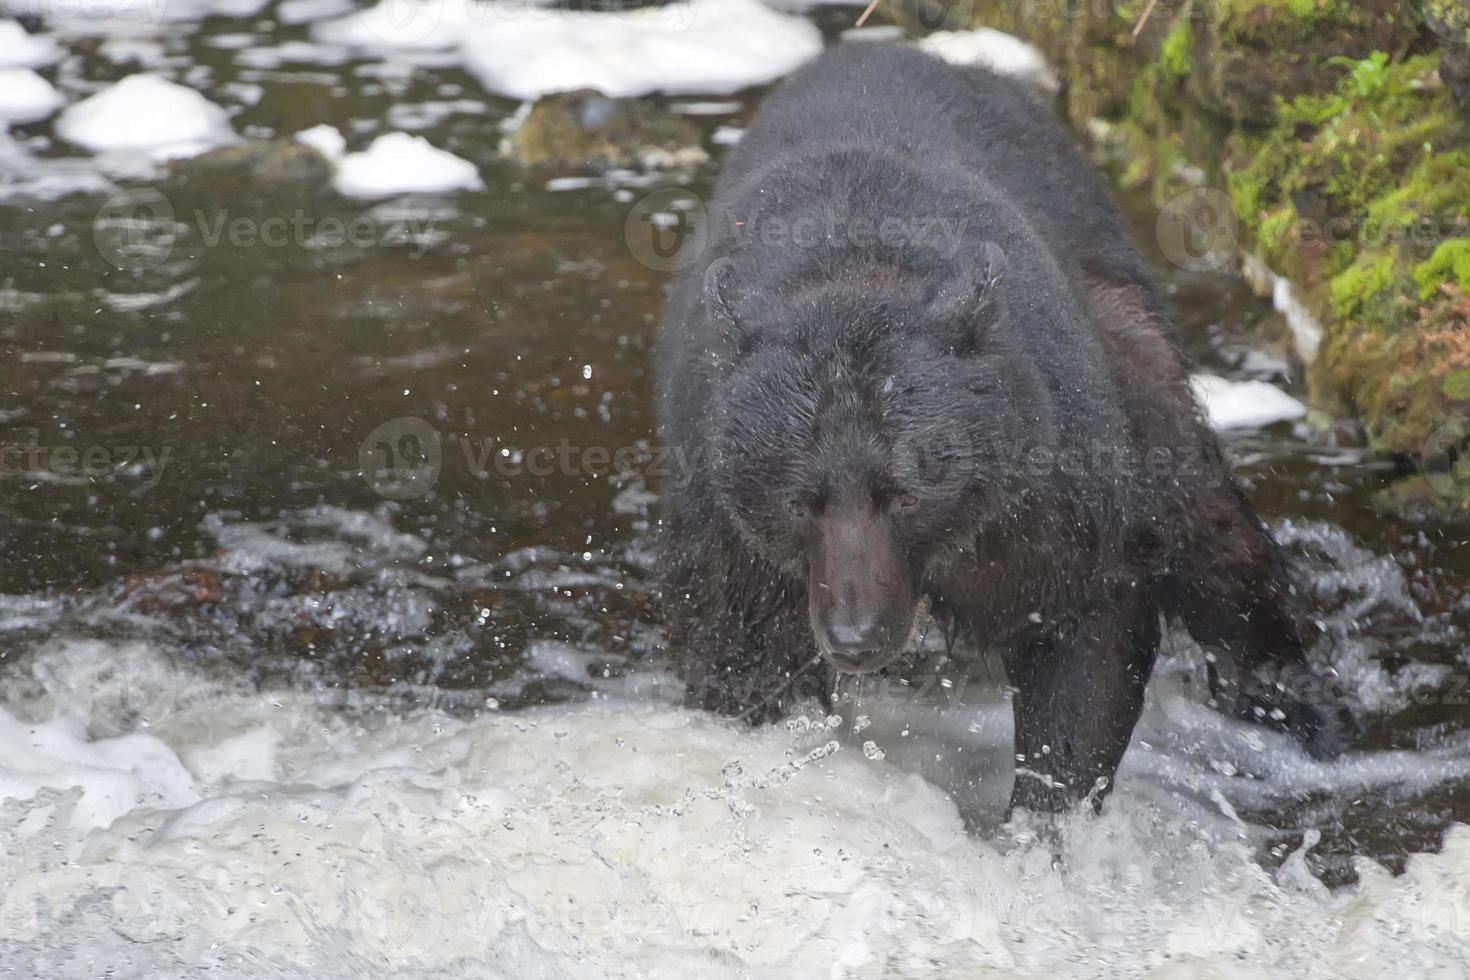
[[23, 175], [306, 11], [432, 25], [149, 114], [338, 540], [398, 163], [1244, 404], [19, 49], [326, 140], [1002, 53], [630, 840], [26, 97], [703, 47], [113, 17]]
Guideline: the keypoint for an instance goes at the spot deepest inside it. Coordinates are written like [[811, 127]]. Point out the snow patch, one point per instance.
[[118, 17], [146, 113], [1244, 404], [693, 47], [26, 97], [19, 49], [1002, 53], [326, 140], [397, 163]]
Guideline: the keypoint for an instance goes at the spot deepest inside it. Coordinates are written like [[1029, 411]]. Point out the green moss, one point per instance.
[[580, 130], [1177, 50], [1355, 288], [1245, 20], [1451, 15], [1417, 499], [1430, 203], [1344, 159], [1450, 262], [1278, 232], [1456, 385]]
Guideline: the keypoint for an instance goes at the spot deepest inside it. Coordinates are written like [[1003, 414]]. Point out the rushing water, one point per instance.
[[263, 713]]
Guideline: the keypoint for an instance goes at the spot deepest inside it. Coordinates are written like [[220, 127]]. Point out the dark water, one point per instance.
[[220, 405]]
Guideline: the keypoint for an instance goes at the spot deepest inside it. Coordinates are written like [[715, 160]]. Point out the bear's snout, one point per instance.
[[862, 596]]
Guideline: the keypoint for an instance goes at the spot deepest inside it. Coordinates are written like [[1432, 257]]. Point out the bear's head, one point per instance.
[[857, 419]]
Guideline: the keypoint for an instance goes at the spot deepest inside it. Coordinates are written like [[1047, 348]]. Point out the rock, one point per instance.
[[1449, 21], [262, 164], [581, 130]]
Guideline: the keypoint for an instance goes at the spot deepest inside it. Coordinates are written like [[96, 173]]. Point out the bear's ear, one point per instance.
[[968, 300], [722, 291]]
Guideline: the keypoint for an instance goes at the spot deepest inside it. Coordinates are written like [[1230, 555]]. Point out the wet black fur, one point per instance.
[[798, 375]]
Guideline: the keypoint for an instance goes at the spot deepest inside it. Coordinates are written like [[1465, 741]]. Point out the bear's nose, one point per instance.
[[853, 639]]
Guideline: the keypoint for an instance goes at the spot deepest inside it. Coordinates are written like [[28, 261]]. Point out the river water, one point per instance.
[[261, 714]]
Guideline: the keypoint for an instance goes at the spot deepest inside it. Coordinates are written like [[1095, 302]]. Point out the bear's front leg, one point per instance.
[[1078, 693], [747, 643]]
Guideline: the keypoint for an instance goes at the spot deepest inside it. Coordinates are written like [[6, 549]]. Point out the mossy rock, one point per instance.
[[1449, 21], [1344, 154], [588, 130], [1441, 497], [1378, 170], [257, 166]]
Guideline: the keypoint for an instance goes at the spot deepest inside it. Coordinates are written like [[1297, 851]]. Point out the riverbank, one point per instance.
[[1317, 146]]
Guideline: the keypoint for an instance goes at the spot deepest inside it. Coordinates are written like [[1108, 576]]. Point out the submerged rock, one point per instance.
[[267, 164], [580, 130]]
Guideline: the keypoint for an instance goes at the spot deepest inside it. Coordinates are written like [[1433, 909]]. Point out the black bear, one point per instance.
[[919, 368]]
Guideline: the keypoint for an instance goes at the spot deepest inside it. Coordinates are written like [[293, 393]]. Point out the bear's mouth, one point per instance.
[[867, 661]]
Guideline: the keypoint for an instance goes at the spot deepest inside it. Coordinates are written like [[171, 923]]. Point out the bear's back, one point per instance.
[[901, 99]]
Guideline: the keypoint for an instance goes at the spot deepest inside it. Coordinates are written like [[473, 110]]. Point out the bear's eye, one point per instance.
[[908, 501]]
